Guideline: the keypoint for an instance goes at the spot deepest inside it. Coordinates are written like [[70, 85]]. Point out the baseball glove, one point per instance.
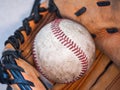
[[99, 17]]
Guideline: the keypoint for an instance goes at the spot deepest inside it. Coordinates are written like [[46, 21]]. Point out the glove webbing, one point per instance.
[[8, 62], [14, 39]]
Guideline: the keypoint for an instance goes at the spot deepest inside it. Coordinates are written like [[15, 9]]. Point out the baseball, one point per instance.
[[63, 51]]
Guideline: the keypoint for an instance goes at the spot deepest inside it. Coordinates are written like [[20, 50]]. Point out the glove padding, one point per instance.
[[101, 18]]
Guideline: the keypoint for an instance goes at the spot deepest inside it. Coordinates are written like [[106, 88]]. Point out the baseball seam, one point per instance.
[[71, 45], [37, 66]]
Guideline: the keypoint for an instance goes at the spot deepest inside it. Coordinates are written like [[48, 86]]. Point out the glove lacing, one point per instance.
[[8, 62]]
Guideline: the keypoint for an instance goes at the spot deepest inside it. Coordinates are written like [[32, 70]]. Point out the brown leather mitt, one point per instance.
[[17, 67]]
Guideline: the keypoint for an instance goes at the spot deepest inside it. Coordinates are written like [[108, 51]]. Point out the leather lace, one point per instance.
[[9, 57]]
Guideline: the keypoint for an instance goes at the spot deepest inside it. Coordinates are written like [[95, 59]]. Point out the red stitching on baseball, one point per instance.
[[36, 63], [66, 41]]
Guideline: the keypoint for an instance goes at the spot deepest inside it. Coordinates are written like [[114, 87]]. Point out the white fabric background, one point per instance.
[[12, 12]]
